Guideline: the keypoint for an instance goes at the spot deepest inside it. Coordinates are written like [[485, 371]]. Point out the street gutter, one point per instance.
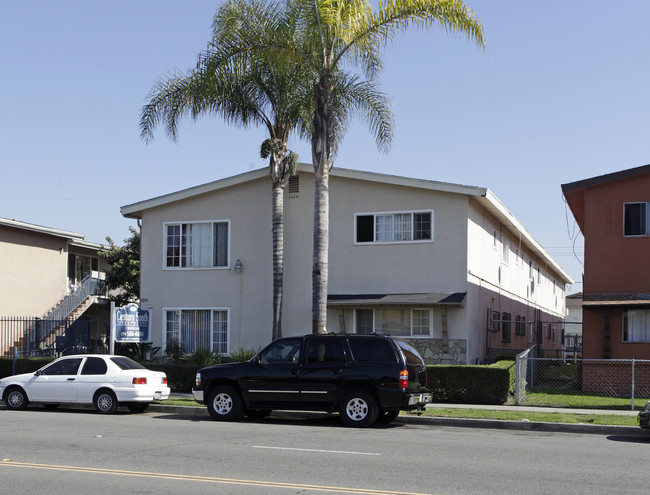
[[433, 421]]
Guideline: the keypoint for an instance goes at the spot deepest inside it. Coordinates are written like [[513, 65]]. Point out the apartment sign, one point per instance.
[[131, 324]]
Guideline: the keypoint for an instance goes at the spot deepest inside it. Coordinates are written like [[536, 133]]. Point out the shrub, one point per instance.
[[174, 351], [468, 384], [240, 355], [205, 357]]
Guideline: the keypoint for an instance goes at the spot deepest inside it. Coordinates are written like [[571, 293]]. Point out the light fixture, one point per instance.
[[238, 266]]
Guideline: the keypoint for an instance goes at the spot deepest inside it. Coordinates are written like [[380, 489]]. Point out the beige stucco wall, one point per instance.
[[461, 258], [248, 210], [33, 272]]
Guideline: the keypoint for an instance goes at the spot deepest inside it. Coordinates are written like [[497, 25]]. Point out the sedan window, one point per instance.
[[94, 366], [126, 363], [63, 367]]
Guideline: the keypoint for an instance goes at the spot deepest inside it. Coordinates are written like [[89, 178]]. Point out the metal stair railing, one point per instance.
[[91, 285]]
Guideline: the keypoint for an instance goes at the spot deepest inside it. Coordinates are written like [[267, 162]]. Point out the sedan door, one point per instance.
[[57, 382], [272, 377]]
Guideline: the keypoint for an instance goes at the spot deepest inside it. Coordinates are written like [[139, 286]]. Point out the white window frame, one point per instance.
[[212, 252], [212, 310], [647, 218], [411, 314], [393, 214]]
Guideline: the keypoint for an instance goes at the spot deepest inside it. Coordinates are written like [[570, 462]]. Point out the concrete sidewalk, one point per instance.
[[433, 421]]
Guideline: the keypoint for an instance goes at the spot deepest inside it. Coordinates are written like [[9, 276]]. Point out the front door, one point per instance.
[[273, 376], [56, 383]]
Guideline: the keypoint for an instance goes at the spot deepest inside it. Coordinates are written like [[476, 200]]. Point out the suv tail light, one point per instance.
[[164, 380], [139, 381], [403, 379]]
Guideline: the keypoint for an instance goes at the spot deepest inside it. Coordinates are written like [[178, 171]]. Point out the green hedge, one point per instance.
[[23, 365], [180, 377], [468, 384]]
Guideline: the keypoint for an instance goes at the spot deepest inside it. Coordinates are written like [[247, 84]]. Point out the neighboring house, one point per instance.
[[446, 266], [573, 324], [41, 267], [612, 213]]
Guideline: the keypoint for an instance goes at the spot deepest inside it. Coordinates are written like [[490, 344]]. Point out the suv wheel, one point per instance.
[[224, 403], [358, 408]]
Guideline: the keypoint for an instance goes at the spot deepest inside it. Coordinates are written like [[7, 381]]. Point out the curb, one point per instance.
[[610, 430]]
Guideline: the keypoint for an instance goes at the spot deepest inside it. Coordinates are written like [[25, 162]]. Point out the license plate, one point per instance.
[[157, 395]]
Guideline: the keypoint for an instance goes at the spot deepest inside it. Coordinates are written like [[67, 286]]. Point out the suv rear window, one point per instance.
[[372, 350], [412, 356]]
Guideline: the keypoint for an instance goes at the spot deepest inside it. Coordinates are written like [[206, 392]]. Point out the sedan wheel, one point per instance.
[[105, 402], [16, 399], [358, 408], [224, 403]]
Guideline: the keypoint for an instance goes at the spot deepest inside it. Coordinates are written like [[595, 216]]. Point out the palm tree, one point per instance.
[[337, 32], [246, 85], [244, 91]]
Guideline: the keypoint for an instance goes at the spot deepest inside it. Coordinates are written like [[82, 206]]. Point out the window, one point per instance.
[[520, 325], [63, 367], [395, 321], [635, 221], [94, 366], [635, 325], [196, 245], [505, 327], [196, 329], [394, 227], [505, 256], [285, 351], [366, 349], [325, 350]]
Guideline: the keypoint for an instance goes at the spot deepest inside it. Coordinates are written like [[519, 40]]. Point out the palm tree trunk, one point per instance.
[[322, 162], [277, 215]]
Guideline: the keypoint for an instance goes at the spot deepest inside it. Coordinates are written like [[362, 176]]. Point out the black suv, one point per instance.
[[366, 378]]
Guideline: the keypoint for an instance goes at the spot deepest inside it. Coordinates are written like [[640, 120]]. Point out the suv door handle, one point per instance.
[[336, 371], [293, 372], [71, 379]]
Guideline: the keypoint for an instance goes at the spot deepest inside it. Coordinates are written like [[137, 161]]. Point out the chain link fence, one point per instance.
[[582, 383]]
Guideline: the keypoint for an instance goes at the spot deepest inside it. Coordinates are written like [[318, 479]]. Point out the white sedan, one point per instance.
[[105, 381]]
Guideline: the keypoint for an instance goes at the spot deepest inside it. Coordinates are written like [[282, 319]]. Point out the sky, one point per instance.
[[559, 94]]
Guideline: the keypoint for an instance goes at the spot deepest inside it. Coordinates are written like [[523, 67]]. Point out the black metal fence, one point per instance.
[[30, 336]]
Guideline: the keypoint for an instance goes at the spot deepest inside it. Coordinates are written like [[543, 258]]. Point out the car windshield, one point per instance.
[[126, 363]]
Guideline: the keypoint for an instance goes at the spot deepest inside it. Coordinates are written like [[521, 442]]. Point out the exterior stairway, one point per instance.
[[53, 324]]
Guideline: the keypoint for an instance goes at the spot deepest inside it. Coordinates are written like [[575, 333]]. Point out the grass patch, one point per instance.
[[544, 417], [578, 400]]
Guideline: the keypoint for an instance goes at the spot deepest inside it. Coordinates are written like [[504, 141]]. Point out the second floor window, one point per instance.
[[394, 227], [196, 245], [635, 221]]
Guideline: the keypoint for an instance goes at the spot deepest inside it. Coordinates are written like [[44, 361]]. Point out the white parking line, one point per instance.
[[315, 450]]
